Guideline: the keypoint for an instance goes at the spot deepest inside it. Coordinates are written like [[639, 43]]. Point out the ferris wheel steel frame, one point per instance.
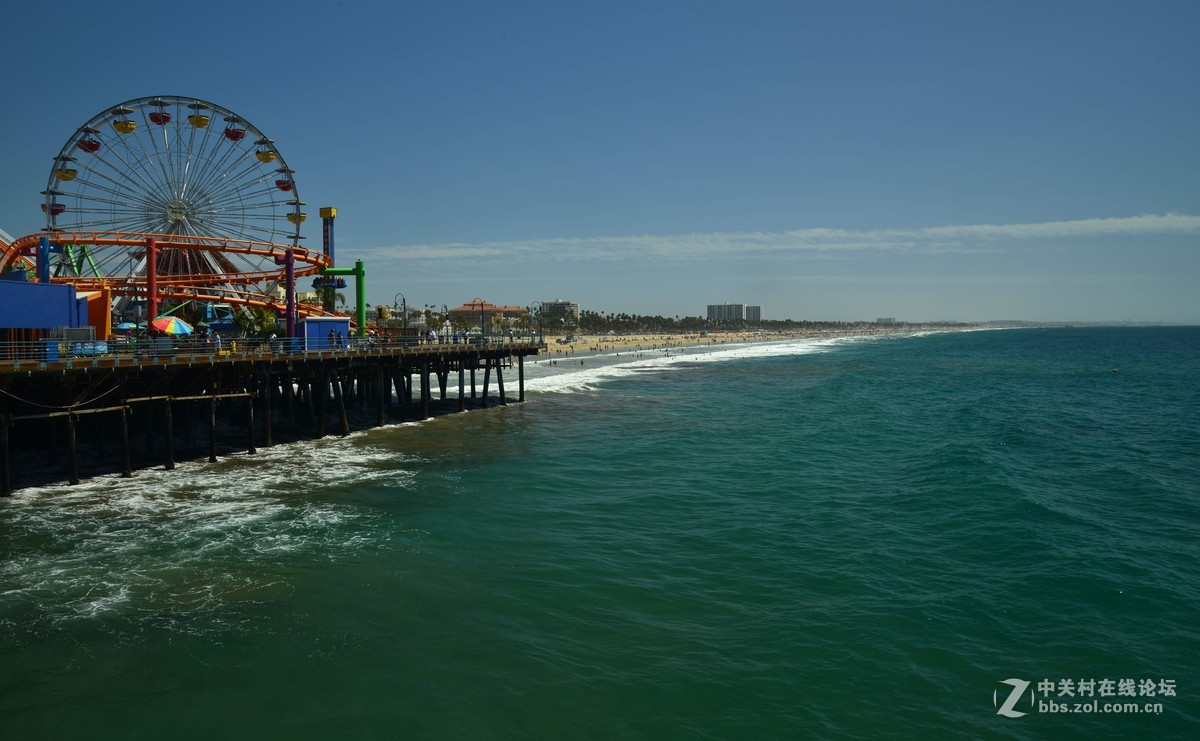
[[217, 199]]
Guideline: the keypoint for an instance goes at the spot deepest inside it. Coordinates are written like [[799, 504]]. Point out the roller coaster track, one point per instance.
[[202, 279]]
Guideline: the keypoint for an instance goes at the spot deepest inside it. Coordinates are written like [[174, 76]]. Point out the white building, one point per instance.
[[552, 311]]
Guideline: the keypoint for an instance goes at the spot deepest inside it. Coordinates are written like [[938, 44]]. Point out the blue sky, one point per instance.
[[826, 160]]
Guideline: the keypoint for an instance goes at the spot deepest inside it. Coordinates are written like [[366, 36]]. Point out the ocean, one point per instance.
[[988, 534]]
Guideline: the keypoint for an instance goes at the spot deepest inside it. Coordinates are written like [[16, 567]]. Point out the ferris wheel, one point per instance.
[[208, 185], [173, 165]]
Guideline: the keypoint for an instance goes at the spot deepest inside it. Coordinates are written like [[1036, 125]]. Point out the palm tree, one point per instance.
[[256, 321]]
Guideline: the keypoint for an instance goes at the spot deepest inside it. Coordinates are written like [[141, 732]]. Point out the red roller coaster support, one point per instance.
[[289, 272], [151, 280]]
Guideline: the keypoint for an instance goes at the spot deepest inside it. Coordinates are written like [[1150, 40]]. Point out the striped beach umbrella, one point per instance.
[[171, 325]]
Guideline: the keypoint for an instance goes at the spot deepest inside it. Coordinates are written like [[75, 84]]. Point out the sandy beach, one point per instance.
[[558, 347]]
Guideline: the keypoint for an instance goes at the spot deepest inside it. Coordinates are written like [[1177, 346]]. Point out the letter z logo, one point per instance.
[[1008, 709]]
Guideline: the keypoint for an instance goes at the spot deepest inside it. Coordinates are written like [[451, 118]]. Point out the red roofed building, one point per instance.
[[485, 314]]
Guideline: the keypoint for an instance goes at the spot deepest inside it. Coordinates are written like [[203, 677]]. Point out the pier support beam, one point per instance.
[[425, 392], [365, 374], [149, 413], [322, 401], [381, 387], [170, 435], [267, 390], [5, 470], [126, 469], [398, 384], [340, 401], [72, 451], [187, 426], [500, 383], [289, 397], [212, 430], [250, 424], [487, 372]]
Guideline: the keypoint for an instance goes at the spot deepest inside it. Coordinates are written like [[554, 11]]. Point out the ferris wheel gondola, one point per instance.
[[162, 165], [155, 165]]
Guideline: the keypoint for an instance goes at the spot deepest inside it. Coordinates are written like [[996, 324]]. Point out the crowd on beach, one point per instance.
[[567, 346], [557, 347]]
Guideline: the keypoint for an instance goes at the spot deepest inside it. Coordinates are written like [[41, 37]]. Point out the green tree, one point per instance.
[[255, 321]]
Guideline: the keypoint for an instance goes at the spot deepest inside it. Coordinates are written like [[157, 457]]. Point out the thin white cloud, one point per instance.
[[701, 246], [956, 280]]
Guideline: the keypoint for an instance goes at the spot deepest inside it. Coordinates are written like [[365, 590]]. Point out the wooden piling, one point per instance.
[[322, 402], [188, 440], [169, 437], [307, 387], [267, 390], [126, 468], [289, 396], [500, 382], [357, 381], [487, 372], [212, 430], [72, 451], [250, 424], [340, 401], [5, 470], [398, 383], [425, 393], [462, 399], [380, 396], [52, 447], [443, 376], [149, 413]]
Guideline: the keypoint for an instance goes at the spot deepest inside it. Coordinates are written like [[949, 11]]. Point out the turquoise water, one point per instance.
[[838, 538]]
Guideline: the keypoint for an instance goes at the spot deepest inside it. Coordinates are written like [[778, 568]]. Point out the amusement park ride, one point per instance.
[[170, 199]]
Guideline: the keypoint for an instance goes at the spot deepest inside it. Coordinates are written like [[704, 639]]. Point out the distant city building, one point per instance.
[[726, 312], [733, 312], [886, 320], [556, 310]]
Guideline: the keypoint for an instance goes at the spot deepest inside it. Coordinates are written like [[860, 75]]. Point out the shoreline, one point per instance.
[[584, 346]]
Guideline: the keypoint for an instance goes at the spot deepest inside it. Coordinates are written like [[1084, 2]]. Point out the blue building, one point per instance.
[[38, 307], [315, 332]]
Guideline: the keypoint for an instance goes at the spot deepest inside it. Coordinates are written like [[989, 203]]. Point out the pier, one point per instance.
[[65, 408]]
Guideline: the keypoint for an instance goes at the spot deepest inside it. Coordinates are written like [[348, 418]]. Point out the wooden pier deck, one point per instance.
[[75, 409]]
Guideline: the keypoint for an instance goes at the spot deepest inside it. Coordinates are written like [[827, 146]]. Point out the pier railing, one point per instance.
[[54, 350]]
